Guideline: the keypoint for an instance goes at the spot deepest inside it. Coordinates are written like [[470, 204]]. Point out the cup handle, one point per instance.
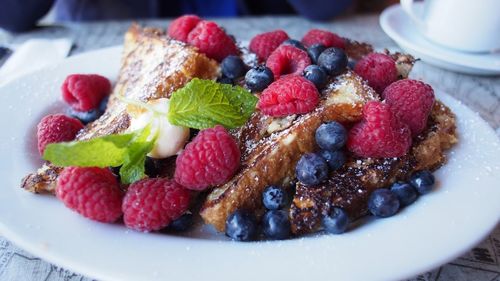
[[409, 9]]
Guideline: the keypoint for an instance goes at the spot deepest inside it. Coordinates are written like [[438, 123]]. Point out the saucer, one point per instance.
[[398, 25]]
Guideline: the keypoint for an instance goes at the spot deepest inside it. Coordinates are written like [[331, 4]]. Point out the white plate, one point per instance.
[[436, 229], [398, 25]]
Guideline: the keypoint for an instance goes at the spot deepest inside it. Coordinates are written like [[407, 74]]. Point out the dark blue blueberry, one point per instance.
[[241, 226], [182, 223], [316, 75], [233, 67], [275, 224], [334, 159], [225, 80], [151, 167], [336, 221], [314, 51], [274, 197], [311, 169], [331, 136], [295, 43], [405, 193], [333, 60], [383, 203], [85, 116], [351, 64], [423, 181], [103, 104], [258, 78]]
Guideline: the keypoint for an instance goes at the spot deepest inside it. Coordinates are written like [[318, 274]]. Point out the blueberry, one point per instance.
[[314, 51], [311, 169], [225, 80], [383, 203], [85, 116], [295, 43], [274, 198], [275, 224], [334, 159], [351, 64], [103, 104], [182, 223], [233, 67], [331, 136], [151, 167], [336, 221], [405, 193], [258, 78], [241, 226], [423, 181], [316, 75], [333, 60]]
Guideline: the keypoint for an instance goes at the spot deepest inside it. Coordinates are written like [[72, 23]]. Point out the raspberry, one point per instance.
[[56, 128], [292, 94], [323, 37], [378, 69], [211, 40], [84, 92], [412, 102], [380, 134], [181, 26], [265, 43], [92, 192], [287, 59], [210, 159], [151, 204]]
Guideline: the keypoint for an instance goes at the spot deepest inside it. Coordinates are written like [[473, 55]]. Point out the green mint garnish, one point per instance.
[[203, 104]]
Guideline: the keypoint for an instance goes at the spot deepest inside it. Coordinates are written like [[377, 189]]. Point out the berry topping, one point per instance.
[[423, 181], [233, 67], [383, 203], [292, 94], [274, 198], [258, 78], [151, 204], [311, 169], [314, 51], [334, 159], [287, 59], [241, 226], [335, 221], [56, 128], [275, 224], [333, 60], [331, 136], [412, 102], [211, 40], [378, 69], [316, 75], [380, 134], [84, 92], [295, 43], [210, 159], [405, 193], [326, 38], [225, 80], [265, 43], [104, 104], [180, 28], [182, 223], [85, 116], [92, 192]]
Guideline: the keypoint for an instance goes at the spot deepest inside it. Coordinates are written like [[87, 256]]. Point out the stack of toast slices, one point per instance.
[[154, 66]]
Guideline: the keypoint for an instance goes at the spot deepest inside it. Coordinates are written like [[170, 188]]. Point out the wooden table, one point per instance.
[[482, 94]]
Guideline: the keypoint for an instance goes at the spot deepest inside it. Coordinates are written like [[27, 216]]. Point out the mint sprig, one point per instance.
[[203, 104]]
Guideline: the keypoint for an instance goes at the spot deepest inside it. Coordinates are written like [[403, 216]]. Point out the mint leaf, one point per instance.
[[133, 165], [203, 104]]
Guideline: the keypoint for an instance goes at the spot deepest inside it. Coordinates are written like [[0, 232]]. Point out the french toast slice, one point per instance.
[[350, 186], [153, 66]]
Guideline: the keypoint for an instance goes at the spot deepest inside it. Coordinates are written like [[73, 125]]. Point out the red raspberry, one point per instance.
[[210, 159], [151, 204], [292, 94], [181, 26], [380, 134], [287, 59], [84, 92], [412, 102], [92, 192], [265, 43], [56, 128], [378, 69], [326, 38], [211, 40]]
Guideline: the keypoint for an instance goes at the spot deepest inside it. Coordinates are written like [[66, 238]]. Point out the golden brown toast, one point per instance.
[[153, 66]]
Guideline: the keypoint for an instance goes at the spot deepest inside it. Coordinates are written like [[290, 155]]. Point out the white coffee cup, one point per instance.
[[465, 25]]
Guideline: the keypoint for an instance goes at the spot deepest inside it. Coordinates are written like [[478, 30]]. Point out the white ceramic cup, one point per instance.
[[465, 25]]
